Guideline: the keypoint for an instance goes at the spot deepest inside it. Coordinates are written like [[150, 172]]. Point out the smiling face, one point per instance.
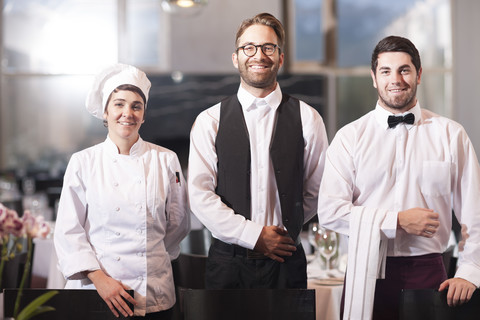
[[258, 73], [396, 81], [124, 114]]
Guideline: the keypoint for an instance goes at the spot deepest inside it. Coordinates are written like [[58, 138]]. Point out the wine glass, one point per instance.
[[327, 243], [312, 237]]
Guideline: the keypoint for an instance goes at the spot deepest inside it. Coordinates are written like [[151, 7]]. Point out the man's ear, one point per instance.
[[373, 79], [235, 60], [419, 76]]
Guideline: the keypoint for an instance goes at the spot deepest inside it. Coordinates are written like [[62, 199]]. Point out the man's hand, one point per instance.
[[459, 291], [275, 242], [112, 292], [419, 221]]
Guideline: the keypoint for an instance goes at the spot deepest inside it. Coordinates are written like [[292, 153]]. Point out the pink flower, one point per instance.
[[10, 223], [35, 226]]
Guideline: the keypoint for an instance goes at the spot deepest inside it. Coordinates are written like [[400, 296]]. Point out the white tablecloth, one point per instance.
[[328, 298], [45, 263]]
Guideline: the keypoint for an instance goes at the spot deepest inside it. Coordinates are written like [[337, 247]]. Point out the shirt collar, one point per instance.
[[247, 100], [135, 151], [381, 114]]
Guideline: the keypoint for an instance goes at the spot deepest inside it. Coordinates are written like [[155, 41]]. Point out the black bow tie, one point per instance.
[[394, 120]]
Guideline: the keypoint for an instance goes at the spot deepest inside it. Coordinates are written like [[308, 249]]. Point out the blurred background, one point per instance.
[[50, 50]]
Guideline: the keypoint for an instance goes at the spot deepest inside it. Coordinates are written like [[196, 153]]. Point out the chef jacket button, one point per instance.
[[117, 209], [139, 181], [140, 254], [117, 258], [140, 278], [139, 231], [117, 233]]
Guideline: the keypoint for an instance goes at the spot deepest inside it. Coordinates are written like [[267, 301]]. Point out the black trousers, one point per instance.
[[233, 267], [161, 315]]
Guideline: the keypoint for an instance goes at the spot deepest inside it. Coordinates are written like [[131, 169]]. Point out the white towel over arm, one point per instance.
[[367, 253]]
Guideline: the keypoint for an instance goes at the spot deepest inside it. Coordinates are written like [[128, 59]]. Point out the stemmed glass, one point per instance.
[[327, 243], [313, 236]]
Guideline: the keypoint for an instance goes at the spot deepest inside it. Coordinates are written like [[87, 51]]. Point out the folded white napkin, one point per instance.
[[366, 262]]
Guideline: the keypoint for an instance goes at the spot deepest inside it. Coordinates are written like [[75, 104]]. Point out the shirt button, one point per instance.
[[140, 278], [139, 181], [117, 234], [115, 184], [117, 209], [117, 258], [114, 160], [139, 231], [140, 254]]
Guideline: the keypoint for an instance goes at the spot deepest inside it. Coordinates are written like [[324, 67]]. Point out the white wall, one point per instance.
[[466, 67], [205, 42]]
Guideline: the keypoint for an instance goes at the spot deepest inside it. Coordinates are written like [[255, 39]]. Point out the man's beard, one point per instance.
[[399, 103], [261, 81]]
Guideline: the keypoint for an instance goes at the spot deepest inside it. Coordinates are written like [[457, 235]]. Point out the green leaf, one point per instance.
[[37, 311], [35, 307]]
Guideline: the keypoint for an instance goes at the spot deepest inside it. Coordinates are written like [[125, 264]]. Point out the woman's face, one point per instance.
[[124, 114]]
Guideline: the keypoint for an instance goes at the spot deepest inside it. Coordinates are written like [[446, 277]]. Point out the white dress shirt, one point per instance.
[[126, 215], [430, 164], [265, 205]]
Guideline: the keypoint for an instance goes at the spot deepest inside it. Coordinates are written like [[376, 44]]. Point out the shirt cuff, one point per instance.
[[73, 266], [250, 235], [469, 273], [389, 225]]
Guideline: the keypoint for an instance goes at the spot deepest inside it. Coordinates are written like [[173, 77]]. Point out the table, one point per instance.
[[328, 298], [44, 264], [328, 293]]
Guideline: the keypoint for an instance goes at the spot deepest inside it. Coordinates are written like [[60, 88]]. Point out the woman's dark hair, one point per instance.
[[128, 87]]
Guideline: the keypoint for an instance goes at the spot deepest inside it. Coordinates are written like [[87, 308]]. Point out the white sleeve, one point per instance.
[[466, 195], [336, 196], [316, 143], [75, 254], [177, 210]]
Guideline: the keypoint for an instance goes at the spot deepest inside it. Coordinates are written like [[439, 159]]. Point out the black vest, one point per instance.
[[286, 151]]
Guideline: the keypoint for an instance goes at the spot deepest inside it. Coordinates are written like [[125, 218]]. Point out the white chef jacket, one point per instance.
[[126, 215], [430, 164], [265, 204]]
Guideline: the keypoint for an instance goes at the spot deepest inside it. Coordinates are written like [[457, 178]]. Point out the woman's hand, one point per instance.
[[112, 292]]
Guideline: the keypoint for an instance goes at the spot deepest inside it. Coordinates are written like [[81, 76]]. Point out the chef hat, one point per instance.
[[109, 79]]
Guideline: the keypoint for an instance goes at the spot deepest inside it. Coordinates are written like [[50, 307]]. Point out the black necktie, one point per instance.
[[394, 120]]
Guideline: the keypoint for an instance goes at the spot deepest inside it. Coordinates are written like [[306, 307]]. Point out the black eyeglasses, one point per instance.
[[251, 49]]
